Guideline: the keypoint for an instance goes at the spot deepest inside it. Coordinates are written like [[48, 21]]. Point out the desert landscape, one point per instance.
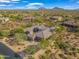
[[39, 29], [40, 34]]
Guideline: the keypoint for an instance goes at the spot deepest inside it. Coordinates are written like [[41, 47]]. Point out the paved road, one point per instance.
[[7, 52]]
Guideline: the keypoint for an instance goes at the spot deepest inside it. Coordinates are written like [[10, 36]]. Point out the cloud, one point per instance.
[[4, 1], [34, 5], [31, 7], [3, 5], [15, 0], [7, 1]]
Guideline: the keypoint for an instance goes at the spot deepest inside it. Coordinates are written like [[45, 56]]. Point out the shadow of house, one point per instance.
[[72, 26], [8, 53]]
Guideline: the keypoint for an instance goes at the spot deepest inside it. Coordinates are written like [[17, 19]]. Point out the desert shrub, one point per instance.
[[19, 30], [12, 33], [30, 57], [29, 25], [48, 56], [4, 33], [48, 51], [1, 34], [78, 50], [15, 18], [42, 57], [77, 18], [40, 19], [32, 49], [20, 37], [59, 28], [62, 56], [62, 45], [44, 43]]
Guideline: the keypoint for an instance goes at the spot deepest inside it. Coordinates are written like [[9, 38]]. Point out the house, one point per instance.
[[55, 18], [28, 18], [8, 53], [43, 34], [38, 32], [72, 25]]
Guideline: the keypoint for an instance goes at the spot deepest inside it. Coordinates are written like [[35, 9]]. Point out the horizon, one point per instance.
[[36, 4]]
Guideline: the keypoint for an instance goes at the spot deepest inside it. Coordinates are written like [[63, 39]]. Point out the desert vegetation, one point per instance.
[[41, 34]]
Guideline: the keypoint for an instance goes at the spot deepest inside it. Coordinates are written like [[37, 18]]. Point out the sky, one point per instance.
[[35, 4]]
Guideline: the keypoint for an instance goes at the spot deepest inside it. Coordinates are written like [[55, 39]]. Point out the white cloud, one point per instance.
[[7, 1], [4, 1], [31, 7], [34, 5], [15, 0], [3, 5]]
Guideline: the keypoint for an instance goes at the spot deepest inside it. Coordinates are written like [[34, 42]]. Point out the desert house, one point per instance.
[[55, 18], [71, 25], [38, 32], [28, 18]]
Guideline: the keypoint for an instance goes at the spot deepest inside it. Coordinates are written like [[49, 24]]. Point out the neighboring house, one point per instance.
[[55, 18], [7, 52], [4, 19], [38, 32], [72, 25], [28, 18]]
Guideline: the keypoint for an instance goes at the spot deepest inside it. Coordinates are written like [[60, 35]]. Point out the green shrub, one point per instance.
[[59, 28], [19, 30], [40, 19], [4, 33], [32, 49], [44, 43], [20, 37], [29, 25]]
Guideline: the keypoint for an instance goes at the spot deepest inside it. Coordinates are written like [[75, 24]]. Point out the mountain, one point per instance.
[[57, 8], [42, 8]]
